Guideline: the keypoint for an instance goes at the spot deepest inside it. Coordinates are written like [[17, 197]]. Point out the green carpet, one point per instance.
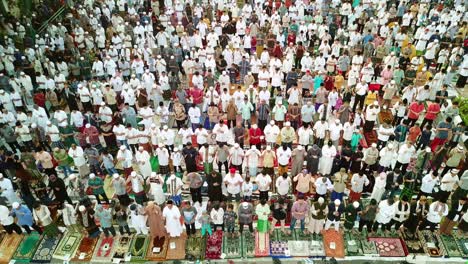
[[27, 248], [450, 245], [139, 247], [248, 244], [232, 247], [353, 245], [299, 235], [67, 246], [280, 236], [462, 243], [431, 243], [195, 247]]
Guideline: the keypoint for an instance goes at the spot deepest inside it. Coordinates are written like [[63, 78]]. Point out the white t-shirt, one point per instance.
[[233, 184]]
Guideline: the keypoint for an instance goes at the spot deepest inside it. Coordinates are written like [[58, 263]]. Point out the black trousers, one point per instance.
[[262, 123], [238, 167], [263, 195], [34, 226], [190, 228], [384, 227], [13, 227], [401, 166], [196, 194], [241, 227], [397, 224], [104, 197], [366, 223], [428, 225], [108, 230], [125, 228], [226, 166], [359, 99]]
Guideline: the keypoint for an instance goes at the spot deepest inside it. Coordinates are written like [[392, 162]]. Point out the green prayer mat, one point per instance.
[[450, 245], [232, 246], [280, 236], [431, 243], [368, 247], [67, 246], [27, 248], [316, 248], [352, 244], [263, 226], [248, 244], [154, 163], [299, 235], [195, 247], [139, 247], [462, 243], [413, 244]]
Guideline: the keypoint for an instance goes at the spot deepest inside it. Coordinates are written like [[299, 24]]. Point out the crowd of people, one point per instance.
[[208, 115]]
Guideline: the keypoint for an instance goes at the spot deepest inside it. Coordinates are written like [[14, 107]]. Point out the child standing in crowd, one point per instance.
[[206, 223], [230, 220], [247, 189]]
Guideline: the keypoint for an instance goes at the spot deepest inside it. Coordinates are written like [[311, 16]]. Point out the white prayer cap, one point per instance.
[[88, 125], [2, 91], [268, 148], [428, 150], [33, 125], [236, 145], [133, 174], [287, 123], [253, 147], [153, 125], [140, 148], [374, 145], [272, 122], [337, 202], [321, 200], [92, 176], [356, 204], [115, 176], [165, 127], [390, 145], [299, 147], [15, 205], [49, 123], [103, 104], [82, 208], [147, 71], [176, 149], [122, 147], [22, 73], [153, 174]]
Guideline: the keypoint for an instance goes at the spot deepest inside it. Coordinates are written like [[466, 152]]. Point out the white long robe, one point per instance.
[[326, 161], [138, 220], [173, 225], [8, 192], [143, 160]]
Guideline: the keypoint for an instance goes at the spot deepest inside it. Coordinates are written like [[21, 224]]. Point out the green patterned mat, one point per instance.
[[232, 247], [431, 243], [413, 244], [299, 235], [139, 247], [280, 236], [248, 244], [368, 247], [316, 248], [67, 246], [462, 243], [353, 245], [195, 247], [450, 246], [27, 248]]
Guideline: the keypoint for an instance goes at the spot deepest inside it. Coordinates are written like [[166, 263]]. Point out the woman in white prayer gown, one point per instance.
[[138, 219], [172, 216], [143, 160], [326, 161]]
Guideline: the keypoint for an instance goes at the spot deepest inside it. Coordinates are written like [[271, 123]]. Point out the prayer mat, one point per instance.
[[353, 244], [450, 246], [389, 247], [45, 250], [195, 247], [462, 243], [369, 248], [316, 247], [248, 244], [27, 248], [300, 235], [413, 244], [232, 246], [67, 246], [262, 244], [431, 243], [8, 247], [139, 247], [280, 236], [214, 244], [122, 247], [333, 244], [108, 188], [157, 249], [176, 248], [85, 250], [371, 137], [105, 249], [298, 248], [279, 249]]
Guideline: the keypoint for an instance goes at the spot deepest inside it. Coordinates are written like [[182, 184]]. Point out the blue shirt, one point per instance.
[[24, 215], [105, 218]]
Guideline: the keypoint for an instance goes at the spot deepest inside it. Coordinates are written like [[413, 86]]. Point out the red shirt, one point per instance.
[[414, 110], [93, 134], [197, 95], [254, 136], [39, 99], [432, 111], [414, 133]]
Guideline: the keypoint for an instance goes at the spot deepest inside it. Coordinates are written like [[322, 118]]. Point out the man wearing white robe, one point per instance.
[[143, 160], [271, 133], [253, 156], [39, 116], [386, 211], [138, 219], [171, 215], [7, 191], [125, 156], [326, 161]]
